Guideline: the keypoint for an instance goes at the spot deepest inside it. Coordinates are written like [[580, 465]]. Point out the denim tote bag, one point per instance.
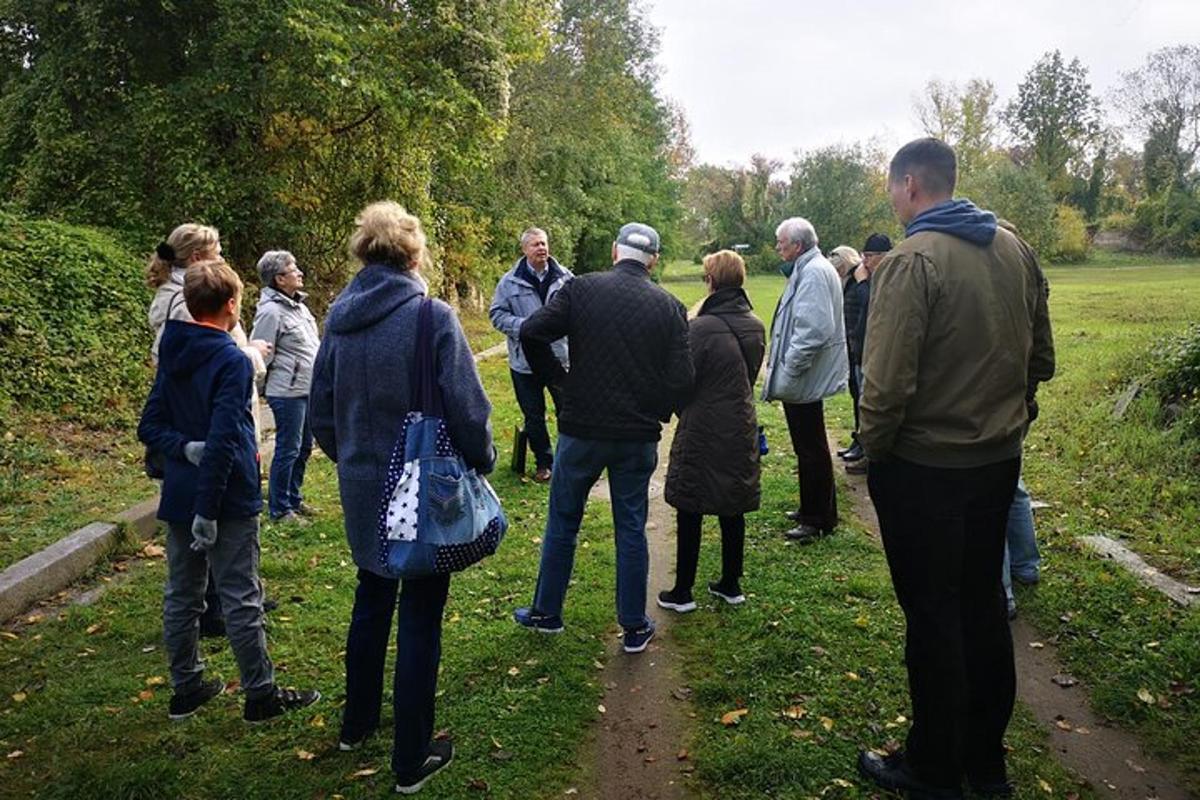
[[437, 514]]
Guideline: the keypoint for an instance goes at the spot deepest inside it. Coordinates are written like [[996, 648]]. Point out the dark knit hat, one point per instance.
[[877, 243]]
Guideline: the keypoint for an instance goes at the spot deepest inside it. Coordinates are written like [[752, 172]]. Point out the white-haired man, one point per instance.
[[529, 285], [631, 368], [808, 363]]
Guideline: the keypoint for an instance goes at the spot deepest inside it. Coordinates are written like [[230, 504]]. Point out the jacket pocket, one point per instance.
[[446, 496]]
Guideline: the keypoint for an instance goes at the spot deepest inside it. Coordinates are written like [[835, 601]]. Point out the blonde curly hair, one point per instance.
[[388, 234]]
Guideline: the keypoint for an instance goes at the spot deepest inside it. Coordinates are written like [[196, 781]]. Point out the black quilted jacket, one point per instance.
[[630, 363]]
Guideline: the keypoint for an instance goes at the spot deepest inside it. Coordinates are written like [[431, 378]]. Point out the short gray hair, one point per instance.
[[627, 253], [272, 263], [530, 232], [799, 231]]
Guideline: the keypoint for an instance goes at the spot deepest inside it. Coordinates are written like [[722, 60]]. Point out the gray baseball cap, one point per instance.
[[639, 237]]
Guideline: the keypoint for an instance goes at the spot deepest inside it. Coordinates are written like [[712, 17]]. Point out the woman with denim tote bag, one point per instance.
[[359, 402]]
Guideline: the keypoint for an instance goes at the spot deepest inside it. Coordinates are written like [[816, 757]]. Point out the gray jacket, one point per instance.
[[808, 361], [287, 324], [515, 300]]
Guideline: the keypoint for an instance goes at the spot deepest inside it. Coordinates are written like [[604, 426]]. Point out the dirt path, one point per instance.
[[1109, 758], [635, 750]]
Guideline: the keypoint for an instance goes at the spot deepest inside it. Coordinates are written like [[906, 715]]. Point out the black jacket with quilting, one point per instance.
[[628, 342]]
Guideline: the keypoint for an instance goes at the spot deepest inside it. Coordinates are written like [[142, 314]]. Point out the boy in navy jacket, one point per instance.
[[198, 418]]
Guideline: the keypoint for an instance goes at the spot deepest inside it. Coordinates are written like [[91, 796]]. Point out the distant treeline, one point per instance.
[[1053, 160]]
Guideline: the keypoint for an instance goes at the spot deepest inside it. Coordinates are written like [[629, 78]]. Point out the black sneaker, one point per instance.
[[349, 741], [805, 534], [730, 594], [441, 753], [184, 705], [892, 772], [278, 702], [636, 640], [677, 600]]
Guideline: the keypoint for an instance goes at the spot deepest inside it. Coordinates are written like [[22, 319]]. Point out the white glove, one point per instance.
[[193, 452], [204, 533]]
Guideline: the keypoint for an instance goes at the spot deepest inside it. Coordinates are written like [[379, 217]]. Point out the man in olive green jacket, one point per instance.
[[958, 339]]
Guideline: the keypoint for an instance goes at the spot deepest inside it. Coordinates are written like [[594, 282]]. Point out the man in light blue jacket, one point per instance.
[[529, 285], [806, 364]]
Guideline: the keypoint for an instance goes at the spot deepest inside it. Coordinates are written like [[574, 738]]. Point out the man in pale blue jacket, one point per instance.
[[806, 364], [529, 285]]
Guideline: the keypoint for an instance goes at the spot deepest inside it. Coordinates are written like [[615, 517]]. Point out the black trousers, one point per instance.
[[855, 391], [943, 531], [687, 548], [818, 498], [531, 397]]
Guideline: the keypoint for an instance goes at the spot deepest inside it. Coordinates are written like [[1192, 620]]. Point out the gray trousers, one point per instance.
[[234, 562]]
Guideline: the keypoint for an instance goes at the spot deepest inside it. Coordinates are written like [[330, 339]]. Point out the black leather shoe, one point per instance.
[[854, 453], [793, 516], [1000, 788], [892, 773], [805, 533]]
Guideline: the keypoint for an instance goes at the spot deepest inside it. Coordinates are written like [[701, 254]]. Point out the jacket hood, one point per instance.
[[187, 346], [376, 291], [731, 300], [272, 295], [959, 218]]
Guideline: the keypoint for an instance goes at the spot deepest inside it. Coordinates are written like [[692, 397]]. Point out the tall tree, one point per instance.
[[1162, 102], [1054, 117], [963, 117], [841, 190]]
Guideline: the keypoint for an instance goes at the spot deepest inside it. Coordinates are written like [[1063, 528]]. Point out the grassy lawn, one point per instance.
[[82, 699]]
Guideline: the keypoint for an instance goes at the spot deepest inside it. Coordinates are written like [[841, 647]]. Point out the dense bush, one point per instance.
[[73, 332], [1070, 235]]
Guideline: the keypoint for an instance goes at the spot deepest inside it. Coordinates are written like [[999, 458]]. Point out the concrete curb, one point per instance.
[[58, 566]]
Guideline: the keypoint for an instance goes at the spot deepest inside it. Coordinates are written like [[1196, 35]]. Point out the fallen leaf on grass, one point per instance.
[[852, 676], [842, 782], [1037, 645], [731, 718], [304, 755], [33, 619], [318, 721], [19, 697], [799, 734], [681, 693], [827, 723], [1145, 696], [9, 635], [650, 759], [682, 755], [364, 773], [148, 648], [1138, 768], [602, 709], [1065, 681], [514, 671], [1045, 787], [232, 686], [145, 694], [795, 712], [16, 754], [154, 551], [1063, 725], [156, 680], [478, 784], [94, 628]]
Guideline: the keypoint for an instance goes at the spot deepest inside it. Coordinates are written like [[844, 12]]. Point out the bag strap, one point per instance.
[[741, 348], [426, 395]]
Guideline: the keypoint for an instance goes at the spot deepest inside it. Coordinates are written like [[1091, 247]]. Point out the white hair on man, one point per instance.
[[799, 231], [529, 233], [627, 253]]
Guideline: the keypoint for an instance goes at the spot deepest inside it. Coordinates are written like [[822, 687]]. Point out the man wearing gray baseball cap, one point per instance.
[[630, 370]]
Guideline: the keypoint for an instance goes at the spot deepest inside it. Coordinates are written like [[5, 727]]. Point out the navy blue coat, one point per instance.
[[360, 392], [202, 393]]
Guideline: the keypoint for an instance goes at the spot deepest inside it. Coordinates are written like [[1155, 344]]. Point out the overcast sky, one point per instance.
[[775, 76]]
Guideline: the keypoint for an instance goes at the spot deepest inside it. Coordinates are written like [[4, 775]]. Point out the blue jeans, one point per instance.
[[577, 466], [293, 446], [1021, 556], [418, 653]]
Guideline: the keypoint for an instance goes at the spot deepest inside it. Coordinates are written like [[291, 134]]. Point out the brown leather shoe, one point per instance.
[[542, 475]]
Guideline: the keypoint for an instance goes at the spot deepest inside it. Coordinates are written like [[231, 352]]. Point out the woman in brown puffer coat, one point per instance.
[[714, 457]]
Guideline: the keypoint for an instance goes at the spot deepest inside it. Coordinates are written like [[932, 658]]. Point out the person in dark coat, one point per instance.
[[857, 302], [358, 404], [714, 465]]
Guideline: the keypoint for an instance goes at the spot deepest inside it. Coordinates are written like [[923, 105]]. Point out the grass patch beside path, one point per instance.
[[815, 655], [516, 703], [57, 476]]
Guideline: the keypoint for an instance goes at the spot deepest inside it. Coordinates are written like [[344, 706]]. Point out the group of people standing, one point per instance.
[[943, 340]]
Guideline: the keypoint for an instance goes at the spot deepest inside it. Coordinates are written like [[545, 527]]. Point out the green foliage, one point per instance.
[[842, 191], [1070, 235], [73, 332], [1175, 379], [1053, 117], [1170, 222], [1019, 195]]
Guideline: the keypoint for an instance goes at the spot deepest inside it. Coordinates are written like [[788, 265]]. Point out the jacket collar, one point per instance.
[[272, 295], [732, 300], [632, 267], [524, 272], [802, 259]]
